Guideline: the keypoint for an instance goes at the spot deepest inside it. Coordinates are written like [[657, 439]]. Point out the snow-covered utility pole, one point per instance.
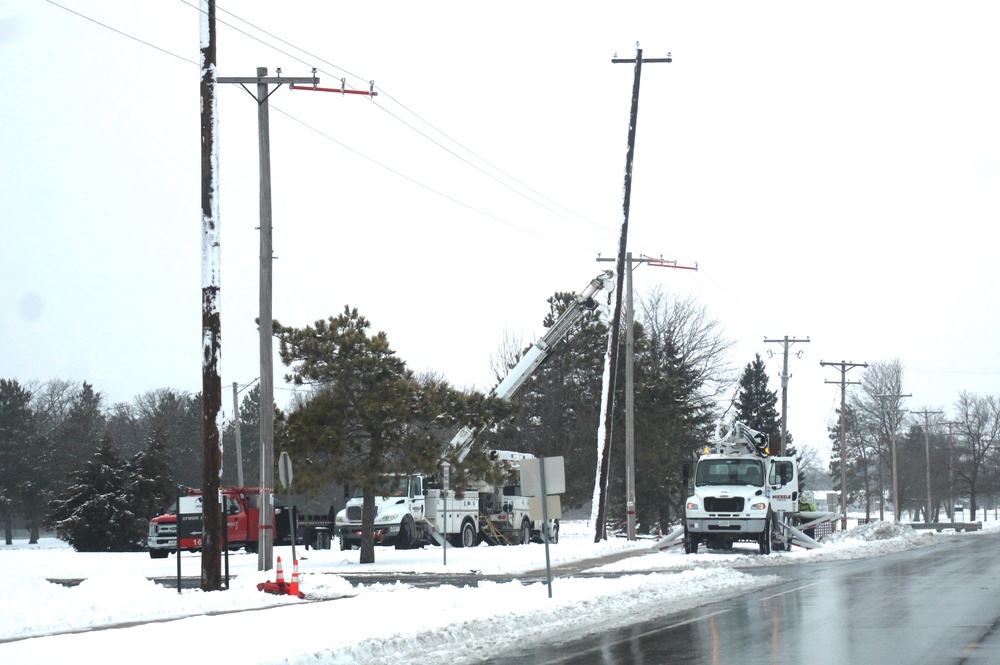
[[211, 329], [784, 387], [843, 366], [604, 452]]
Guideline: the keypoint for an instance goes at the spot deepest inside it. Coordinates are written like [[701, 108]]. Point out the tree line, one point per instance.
[[364, 415], [959, 450]]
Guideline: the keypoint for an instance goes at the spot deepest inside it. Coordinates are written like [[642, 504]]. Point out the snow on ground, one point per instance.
[[117, 615]]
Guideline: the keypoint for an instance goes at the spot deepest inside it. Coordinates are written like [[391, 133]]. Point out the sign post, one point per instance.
[[540, 477], [188, 526], [285, 476]]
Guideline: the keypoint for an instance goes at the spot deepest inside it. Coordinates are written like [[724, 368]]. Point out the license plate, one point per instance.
[[724, 523]]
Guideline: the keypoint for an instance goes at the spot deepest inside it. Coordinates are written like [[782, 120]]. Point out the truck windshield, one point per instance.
[[730, 472], [393, 487]]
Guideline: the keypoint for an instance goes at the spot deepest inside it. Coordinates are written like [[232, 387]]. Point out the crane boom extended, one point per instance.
[[539, 351]]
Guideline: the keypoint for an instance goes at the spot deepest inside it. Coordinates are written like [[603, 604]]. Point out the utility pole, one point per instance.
[[236, 423], [630, 383], [951, 471], [265, 327], [265, 550], [784, 385], [927, 449], [843, 366], [892, 437], [211, 328], [604, 458]]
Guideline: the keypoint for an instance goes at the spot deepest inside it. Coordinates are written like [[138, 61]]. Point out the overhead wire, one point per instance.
[[320, 59]]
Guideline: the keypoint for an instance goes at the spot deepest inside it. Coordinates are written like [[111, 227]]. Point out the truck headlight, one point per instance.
[[760, 505], [692, 505], [152, 528], [388, 517]]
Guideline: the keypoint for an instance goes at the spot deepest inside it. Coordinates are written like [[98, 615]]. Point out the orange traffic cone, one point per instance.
[[280, 579], [293, 588]]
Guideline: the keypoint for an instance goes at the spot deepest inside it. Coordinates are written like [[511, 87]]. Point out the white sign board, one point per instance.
[[553, 508], [531, 476]]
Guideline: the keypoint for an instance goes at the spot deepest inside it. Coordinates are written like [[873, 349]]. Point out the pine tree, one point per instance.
[[151, 482], [17, 432], [561, 402], [95, 513], [756, 405]]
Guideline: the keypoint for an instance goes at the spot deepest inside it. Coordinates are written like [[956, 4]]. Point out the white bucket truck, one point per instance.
[[419, 509]]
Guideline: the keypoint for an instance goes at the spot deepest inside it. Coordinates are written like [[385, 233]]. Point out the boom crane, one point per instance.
[[539, 351]]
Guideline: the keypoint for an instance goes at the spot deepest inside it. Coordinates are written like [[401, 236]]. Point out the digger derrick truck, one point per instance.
[[418, 509], [741, 493]]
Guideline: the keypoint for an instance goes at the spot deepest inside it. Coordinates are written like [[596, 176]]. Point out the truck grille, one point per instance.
[[724, 505], [354, 513]]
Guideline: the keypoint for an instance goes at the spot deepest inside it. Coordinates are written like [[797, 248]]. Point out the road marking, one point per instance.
[[782, 593]]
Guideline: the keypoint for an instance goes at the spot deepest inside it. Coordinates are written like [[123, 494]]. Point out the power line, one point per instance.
[[408, 125], [123, 34]]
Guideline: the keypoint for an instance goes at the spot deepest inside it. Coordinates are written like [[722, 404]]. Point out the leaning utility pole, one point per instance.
[[630, 382], [604, 458], [211, 328], [927, 449], [784, 386], [843, 366]]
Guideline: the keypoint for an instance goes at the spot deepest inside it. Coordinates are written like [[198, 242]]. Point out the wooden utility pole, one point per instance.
[[630, 383], [892, 438], [927, 449], [265, 550], [843, 366], [784, 386], [211, 328], [604, 458], [265, 325]]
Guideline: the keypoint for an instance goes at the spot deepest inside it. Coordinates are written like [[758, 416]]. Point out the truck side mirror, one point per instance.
[[686, 472]]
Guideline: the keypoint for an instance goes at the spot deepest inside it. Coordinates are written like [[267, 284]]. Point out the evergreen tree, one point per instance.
[[151, 485], [17, 433], [561, 402], [756, 405], [370, 417], [79, 435], [95, 513]]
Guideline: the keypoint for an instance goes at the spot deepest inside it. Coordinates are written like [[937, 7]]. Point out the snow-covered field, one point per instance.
[[116, 615]]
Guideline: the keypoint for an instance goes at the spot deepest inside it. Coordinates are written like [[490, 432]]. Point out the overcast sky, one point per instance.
[[831, 168]]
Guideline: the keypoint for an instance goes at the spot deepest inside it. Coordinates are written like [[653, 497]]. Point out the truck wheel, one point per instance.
[[158, 554], [690, 543], [469, 536], [765, 537], [554, 533], [525, 531], [404, 541]]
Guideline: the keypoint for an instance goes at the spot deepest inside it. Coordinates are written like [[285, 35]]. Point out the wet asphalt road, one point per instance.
[[935, 605]]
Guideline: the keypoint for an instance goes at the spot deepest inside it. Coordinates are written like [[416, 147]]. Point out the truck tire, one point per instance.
[[407, 529], [764, 540], [525, 531], [690, 543], [468, 537], [554, 533]]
